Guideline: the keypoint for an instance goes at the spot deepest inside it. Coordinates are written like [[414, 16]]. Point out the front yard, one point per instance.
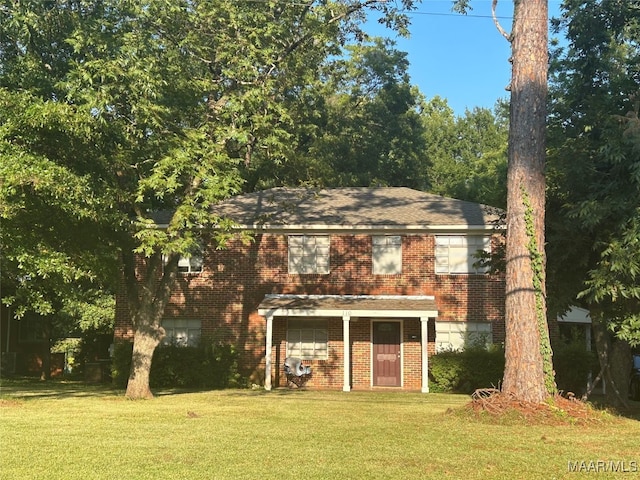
[[72, 431]]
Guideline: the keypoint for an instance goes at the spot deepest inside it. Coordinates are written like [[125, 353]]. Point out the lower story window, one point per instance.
[[181, 332], [461, 335], [307, 339]]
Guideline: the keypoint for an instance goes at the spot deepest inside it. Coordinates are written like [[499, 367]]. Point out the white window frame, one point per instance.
[[190, 265], [309, 254], [308, 339], [182, 332], [386, 253], [455, 336], [456, 254]]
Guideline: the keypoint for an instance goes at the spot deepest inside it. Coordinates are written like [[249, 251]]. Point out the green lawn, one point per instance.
[[72, 431]]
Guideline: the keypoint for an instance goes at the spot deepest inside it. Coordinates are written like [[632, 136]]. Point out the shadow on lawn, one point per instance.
[[27, 388]]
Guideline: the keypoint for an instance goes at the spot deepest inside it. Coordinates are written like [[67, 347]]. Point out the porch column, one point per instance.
[[346, 387], [267, 356], [424, 344]]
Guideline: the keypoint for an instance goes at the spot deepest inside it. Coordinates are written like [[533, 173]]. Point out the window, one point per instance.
[[387, 254], [309, 254], [457, 253], [459, 335], [181, 332], [190, 264], [307, 339]]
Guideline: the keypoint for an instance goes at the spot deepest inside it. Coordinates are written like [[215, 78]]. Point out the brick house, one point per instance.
[[363, 284]]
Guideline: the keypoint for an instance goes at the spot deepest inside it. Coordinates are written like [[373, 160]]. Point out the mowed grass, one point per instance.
[[73, 431]]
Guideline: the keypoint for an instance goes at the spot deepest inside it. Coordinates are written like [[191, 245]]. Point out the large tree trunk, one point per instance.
[[145, 341], [528, 371], [148, 293]]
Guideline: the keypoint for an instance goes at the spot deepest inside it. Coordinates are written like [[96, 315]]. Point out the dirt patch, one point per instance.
[[5, 403], [557, 410]]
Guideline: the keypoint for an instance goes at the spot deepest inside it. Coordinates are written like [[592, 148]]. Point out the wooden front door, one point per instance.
[[386, 354]]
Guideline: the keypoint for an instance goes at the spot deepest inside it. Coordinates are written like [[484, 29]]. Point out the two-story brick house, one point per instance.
[[363, 284]]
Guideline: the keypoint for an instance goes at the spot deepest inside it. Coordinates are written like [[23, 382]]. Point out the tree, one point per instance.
[[468, 154], [165, 103], [594, 186], [358, 124], [528, 369], [54, 242]]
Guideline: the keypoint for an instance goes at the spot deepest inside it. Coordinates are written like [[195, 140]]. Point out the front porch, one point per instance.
[[373, 341]]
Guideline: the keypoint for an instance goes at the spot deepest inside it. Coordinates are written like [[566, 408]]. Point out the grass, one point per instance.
[[54, 430]]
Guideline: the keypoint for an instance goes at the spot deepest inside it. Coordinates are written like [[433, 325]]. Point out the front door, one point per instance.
[[386, 354]]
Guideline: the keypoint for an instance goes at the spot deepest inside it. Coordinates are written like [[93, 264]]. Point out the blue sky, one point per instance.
[[461, 58]]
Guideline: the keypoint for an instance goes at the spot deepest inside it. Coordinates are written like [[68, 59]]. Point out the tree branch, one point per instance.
[[494, 4]]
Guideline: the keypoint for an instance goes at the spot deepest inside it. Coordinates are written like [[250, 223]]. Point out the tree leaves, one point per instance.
[[594, 160]]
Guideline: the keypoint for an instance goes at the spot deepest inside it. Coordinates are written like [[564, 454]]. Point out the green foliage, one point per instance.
[[467, 370], [209, 365], [359, 124], [467, 155], [121, 363], [573, 363], [538, 270], [593, 170]]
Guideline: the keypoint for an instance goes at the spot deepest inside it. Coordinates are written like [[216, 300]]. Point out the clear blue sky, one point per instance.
[[461, 58]]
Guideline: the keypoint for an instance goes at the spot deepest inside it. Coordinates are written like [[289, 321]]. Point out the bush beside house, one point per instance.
[[467, 370], [209, 365]]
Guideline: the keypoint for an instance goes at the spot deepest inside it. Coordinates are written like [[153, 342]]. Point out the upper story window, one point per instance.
[[458, 253], [387, 254], [191, 264], [309, 253]]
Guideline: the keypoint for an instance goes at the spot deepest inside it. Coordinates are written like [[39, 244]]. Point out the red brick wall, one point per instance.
[[226, 294]]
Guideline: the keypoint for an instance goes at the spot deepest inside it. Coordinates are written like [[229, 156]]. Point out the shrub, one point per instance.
[[209, 365], [121, 363], [573, 363], [466, 370]]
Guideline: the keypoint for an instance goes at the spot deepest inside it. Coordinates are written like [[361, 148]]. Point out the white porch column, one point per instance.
[[267, 356], [424, 344], [346, 387]]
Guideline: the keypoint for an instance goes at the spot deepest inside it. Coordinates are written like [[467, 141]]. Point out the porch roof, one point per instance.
[[347, 306]]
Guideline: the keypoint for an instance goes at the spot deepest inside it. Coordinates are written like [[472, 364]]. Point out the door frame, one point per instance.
[[372, 347]]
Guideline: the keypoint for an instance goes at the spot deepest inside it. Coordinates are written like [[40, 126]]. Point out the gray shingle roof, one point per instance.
[[357, 305], [354, 207]]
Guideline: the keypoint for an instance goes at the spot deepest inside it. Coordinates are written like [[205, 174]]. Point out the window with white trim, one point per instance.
[[461, 335], [457, 254], [191, 264], [387, 254], [308, 339], [309, 254], [182, 332]]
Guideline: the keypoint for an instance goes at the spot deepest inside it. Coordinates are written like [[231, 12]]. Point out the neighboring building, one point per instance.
[[363, 284]]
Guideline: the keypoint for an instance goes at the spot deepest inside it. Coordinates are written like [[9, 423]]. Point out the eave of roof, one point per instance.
[[348, 306]]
